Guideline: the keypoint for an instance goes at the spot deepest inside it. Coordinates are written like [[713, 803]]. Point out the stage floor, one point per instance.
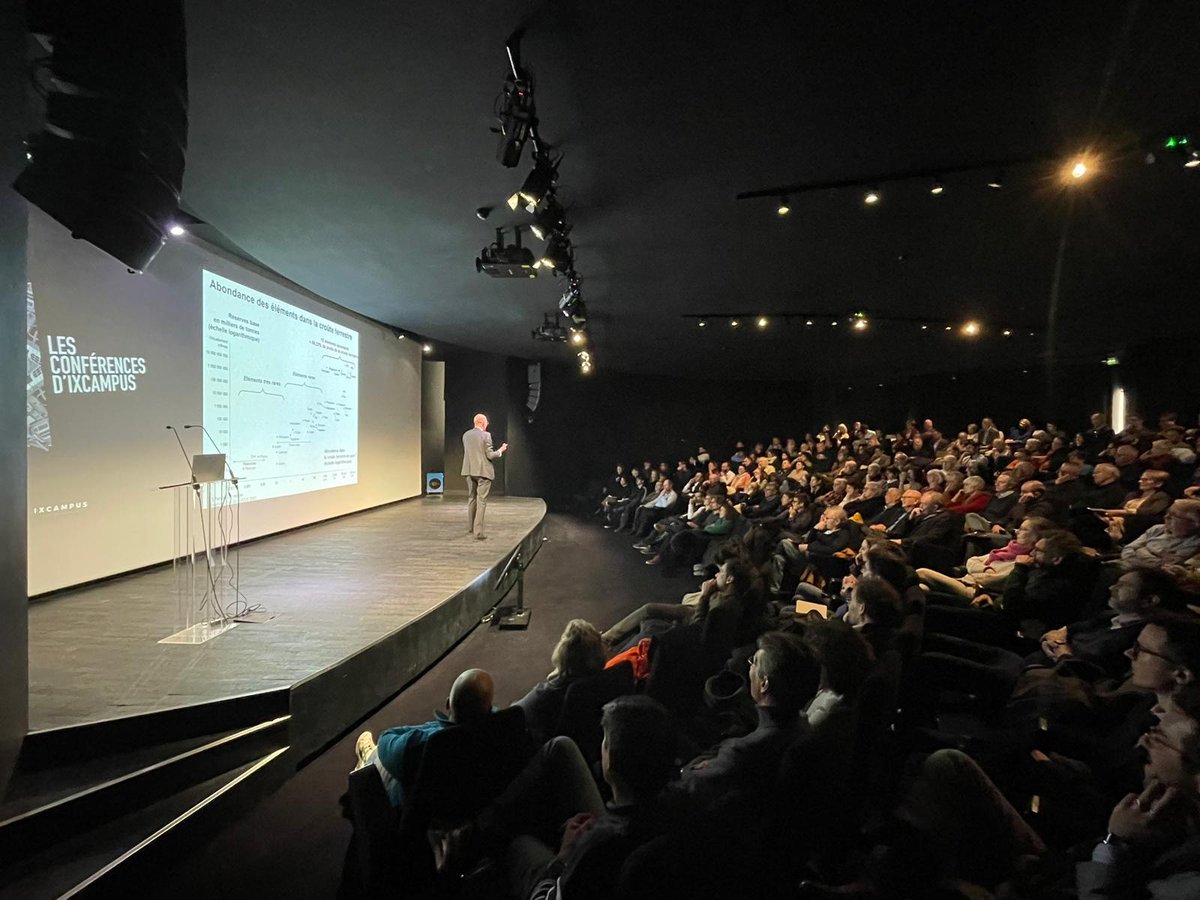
[[335, 588]]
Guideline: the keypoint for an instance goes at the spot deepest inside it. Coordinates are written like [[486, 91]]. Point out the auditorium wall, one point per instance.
[[14, 653]]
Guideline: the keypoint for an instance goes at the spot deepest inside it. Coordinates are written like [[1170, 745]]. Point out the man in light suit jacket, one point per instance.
[[477, 467]]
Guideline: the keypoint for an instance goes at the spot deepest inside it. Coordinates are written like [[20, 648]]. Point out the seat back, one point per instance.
[[376, 833], [580, 716], [465, 767]]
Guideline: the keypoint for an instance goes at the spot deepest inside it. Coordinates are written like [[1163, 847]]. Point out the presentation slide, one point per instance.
[[317, 410], [280, 392]]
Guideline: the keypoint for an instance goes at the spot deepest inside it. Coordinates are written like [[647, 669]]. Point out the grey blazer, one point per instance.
[[478, 454]]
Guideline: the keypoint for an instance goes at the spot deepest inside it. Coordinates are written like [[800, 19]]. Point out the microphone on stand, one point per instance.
[[186, 458], [232, 476]]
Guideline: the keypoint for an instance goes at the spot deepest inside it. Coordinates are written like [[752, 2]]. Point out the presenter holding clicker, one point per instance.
[[477, 467]]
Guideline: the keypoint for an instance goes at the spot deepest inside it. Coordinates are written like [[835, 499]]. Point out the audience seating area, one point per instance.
[[908, 665]]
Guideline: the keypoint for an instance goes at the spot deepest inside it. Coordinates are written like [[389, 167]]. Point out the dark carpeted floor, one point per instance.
[[293, 842]]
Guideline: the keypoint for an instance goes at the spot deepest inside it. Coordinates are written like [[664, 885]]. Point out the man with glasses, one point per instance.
[[1177, 539], [784, 676]]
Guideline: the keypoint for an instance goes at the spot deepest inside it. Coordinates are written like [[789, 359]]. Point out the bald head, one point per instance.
[[471, 695], [481, 421]]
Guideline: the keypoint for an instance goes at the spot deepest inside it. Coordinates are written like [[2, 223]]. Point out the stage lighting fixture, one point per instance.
[[948, 328], [483, 212], [937, 187], [924, 327], [578, 337], [971, 329], [762, 322], [427, 348], [506, 261], [734, 323], [571, 304], [1111, 361], [548, 220], [1193, 160], [515, 112], [550, 331], [997, 181], [585, 361], [536, 186], [701, 323], [1079, 169], [871, 197], [1007, 332], [557, 256], [808, 322], [860, 321], [784, 207], [177, 230]]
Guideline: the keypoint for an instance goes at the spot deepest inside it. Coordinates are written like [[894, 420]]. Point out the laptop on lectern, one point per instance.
[[208, 467]]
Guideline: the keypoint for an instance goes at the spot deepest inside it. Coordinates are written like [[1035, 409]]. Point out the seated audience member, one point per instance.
[[892, 510], [1067, 488], [647, 514], [1176, 540], [972, 498], [1152, 848], [659, 489], [1104, 492], [783, 677], [910, 500], [845, 660], [555, 802], [1032, 502], [686, 546], [768, 507], [830, 536], [398, 753], [867, 504], [579, 653], [930, 525], [876, 611], [729, 611], [999, 504], [989, 571], [1142, 508]]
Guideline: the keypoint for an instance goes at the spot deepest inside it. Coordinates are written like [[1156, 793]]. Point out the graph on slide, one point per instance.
[[280, 392]]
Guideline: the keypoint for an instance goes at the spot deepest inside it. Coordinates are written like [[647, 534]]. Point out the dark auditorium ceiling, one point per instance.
[[347, 147]]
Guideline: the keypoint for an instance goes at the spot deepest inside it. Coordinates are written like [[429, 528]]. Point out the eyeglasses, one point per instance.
[[1138, 649], [751, 660]]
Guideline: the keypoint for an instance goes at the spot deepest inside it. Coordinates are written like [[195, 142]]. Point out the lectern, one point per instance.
[[206, 526]]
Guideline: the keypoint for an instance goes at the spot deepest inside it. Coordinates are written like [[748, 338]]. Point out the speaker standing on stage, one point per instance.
[[477, 466]]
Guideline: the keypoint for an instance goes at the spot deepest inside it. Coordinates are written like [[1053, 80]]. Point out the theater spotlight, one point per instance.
[[997, 181], [177, 230], [784, 207], [557, 255], [871, 197], [537, 184], [548, 220], [578, 337], [515, 113], [427, 348], [1193, 160], [937, 188], [860, 321], [971, 329], [585, 361], [506, 261], [571, 304], [550, 331], [762, 322]]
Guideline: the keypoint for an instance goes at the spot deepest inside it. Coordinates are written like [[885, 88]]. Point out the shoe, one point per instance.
[[363, 748], [649, 551], [641, 545], [481, 537], [451, 849], [654, 560]]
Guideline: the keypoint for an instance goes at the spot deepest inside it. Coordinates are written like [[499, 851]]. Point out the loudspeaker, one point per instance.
[[108, 163], [435, 483]]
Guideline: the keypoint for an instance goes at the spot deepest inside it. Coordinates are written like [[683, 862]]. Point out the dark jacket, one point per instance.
[[744, 763], [1053, 595], [941, 528]]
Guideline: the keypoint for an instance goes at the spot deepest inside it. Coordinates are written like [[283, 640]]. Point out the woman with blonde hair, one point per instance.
[[579, 653]]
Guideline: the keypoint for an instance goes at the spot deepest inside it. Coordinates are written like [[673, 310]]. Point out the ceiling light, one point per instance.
[[762, 322], [1193, 160], [937, 187], [871, 197], [784, 208], [834, 323], [971, 329], [1007, 332], [550, 331], [997, 181], [808, 322], [1111, 361], [400, 336], [483, 212], [949, 328], [860, 324], [1079, 169], [924, 327], [427, 348], [177, 230], [701, 323], [578, 337], [734, 323]]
